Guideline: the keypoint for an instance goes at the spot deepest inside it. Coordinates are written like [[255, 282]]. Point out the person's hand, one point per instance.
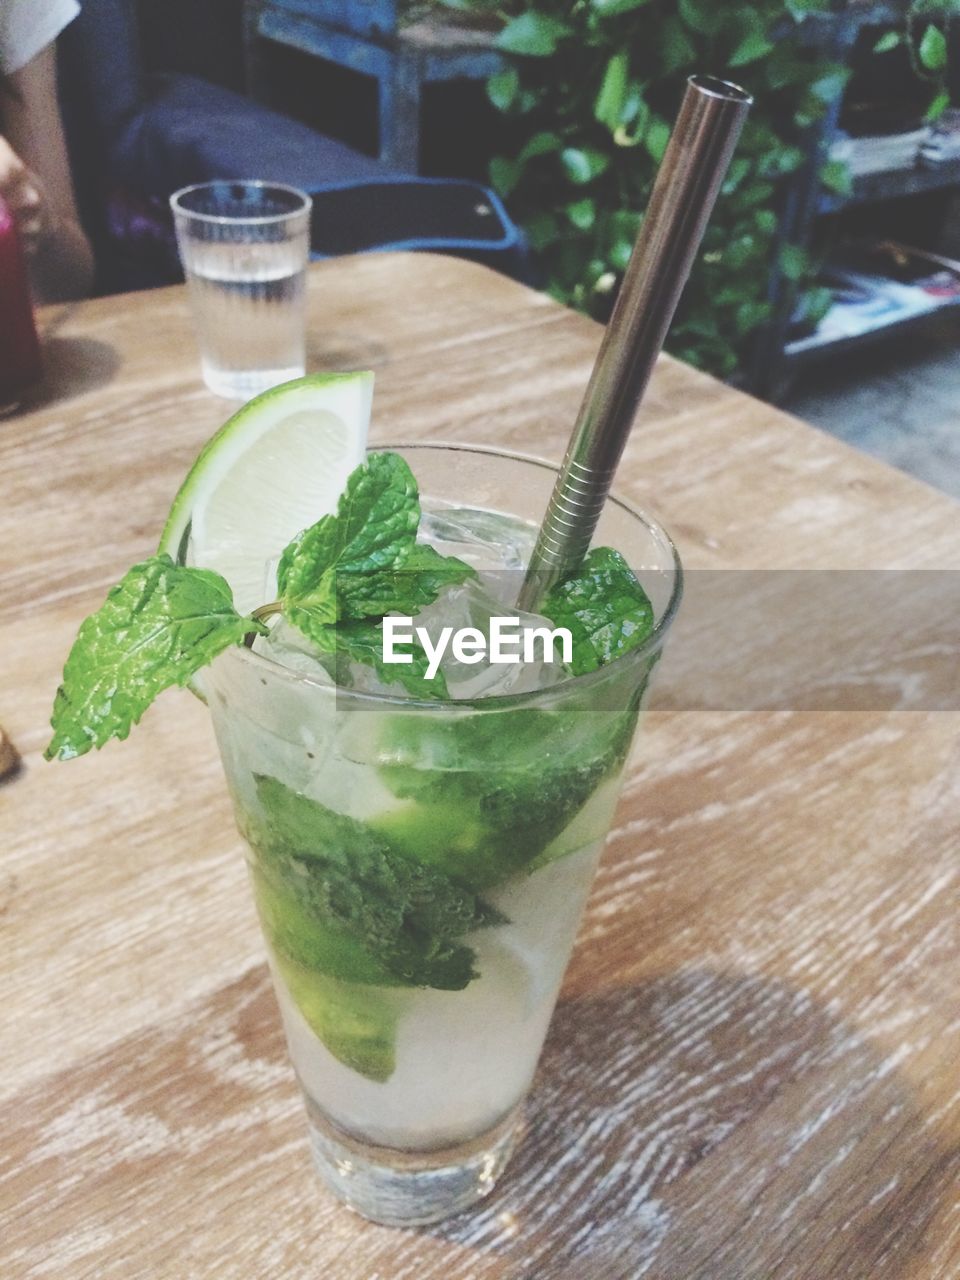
[[22, 192]]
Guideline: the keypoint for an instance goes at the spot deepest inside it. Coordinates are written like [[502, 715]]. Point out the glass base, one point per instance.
[[410, 1188], [244, 384]]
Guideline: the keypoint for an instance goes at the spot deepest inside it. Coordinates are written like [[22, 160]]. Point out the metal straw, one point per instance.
[[693, 167]]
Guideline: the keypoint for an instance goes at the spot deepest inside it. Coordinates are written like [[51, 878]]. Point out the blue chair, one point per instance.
[[370, 36], [135, 138], [439, 215]]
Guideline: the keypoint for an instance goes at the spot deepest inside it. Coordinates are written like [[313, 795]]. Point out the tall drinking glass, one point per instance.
[[244, 249], [420, 868]]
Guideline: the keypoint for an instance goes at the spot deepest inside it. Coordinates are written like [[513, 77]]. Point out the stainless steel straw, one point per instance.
[[693, 167]]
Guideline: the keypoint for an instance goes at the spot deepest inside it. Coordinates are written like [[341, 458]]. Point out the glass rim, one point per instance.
[[497, 700], [237, 220]]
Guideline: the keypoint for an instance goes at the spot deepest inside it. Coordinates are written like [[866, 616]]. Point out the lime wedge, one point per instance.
[[278, 465]]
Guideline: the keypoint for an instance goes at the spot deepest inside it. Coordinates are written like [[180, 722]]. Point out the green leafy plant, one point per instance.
[[593, 86], [925, 33]]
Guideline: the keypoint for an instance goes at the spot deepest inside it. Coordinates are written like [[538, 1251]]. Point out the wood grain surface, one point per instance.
[[754, 1069]]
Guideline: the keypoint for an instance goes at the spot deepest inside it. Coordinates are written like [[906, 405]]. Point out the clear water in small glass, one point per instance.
[[244, 248]]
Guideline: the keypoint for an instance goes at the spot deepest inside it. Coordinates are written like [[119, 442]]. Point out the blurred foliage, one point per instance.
[[593, 87], [925, 32]]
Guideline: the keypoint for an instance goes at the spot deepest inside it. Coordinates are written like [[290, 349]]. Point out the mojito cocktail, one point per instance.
[[422, 806], [420, 867]]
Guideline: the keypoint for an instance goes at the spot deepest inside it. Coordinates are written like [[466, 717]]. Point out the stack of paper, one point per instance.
[[880, 153]]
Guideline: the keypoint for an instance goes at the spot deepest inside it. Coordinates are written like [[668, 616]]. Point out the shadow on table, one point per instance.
[[344, 351], [711, 1127], [72, 366], [702, 1126]]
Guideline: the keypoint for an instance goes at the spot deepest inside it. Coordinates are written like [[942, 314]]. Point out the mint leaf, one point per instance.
[[346, 878], [605, 608], [375, 528], [486, 793], [340, 576], [158, 626], [415, 582], [292, 927]]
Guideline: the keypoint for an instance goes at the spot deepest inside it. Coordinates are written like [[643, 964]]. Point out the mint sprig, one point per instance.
[[158, 626], [605, 608], [163, 622], [374, 529], [338, 579]]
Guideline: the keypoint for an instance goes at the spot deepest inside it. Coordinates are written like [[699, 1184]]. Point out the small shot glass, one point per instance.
[[244, 248]]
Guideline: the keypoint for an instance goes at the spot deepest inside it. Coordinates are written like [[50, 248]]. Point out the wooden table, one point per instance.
[[754, 1070]]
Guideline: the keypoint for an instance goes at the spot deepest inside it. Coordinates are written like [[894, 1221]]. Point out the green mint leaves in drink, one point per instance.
[[374, 529], [481, 800], [414, 581], [337, 580], [346, 911], [158, 626], [340, 577], [365, 562], [361, 640], [605, 608], [406, 917], [163, 622]]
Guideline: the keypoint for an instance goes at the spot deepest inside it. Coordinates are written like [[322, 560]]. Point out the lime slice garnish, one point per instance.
[[278, 465]]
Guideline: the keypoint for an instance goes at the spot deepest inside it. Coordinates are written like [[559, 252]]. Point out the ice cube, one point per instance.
[[484, 539], [288, 646], [473, 604]]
